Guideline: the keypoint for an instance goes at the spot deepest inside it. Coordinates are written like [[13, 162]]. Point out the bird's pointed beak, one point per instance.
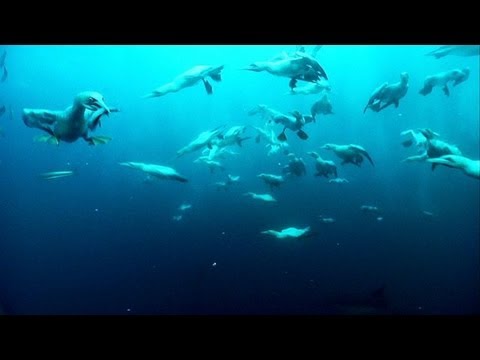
[[102, 105], [251, 67]]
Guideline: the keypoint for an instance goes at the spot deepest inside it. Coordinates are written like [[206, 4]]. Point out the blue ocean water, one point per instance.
[[103, 240]]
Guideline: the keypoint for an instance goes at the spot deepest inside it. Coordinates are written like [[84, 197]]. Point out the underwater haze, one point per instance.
[[108, 239]]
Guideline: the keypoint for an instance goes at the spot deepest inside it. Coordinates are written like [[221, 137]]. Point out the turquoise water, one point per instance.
[[103, 241]]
